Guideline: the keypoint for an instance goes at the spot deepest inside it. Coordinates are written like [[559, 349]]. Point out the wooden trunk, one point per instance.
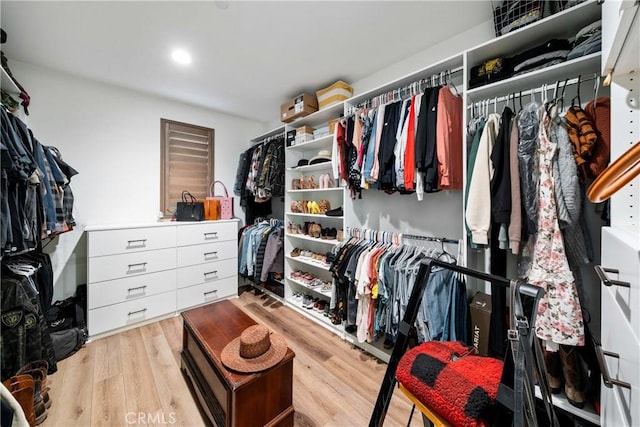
[[229, 398]]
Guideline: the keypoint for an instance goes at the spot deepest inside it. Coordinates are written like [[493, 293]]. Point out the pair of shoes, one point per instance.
[[315, 230], [313, 207], [335, 212], [295, 184], [329, 233], [326, 181], [324, 206], [295, 252], [319, 306], [308, 183], [309, 302]]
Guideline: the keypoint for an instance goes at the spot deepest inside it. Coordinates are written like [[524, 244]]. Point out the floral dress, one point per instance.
[[559, 317]]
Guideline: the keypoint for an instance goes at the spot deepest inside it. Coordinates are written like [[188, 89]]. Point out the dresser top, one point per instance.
[[102, 227], [214, 326]]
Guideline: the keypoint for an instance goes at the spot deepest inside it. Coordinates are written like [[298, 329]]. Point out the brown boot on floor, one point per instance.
[[21, 387], [574, 386], [554, 371], [38, 370]]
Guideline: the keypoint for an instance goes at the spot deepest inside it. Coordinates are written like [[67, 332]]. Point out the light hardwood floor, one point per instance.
[[134, 378]]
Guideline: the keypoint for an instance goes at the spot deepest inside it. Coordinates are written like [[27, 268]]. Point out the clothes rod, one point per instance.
[[416, 85], [430, 238], [543, 88]]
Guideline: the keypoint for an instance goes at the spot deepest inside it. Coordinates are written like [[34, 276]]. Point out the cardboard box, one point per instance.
[[339, 91], [300, 106], [480, 309], [304, 129], [332, 125], [291, 138]]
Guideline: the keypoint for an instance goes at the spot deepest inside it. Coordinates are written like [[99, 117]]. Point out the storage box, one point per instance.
[[332, 125], [339, 91], [480, 309], [321, 132], [304, 129], [291, 138], [300, 106]]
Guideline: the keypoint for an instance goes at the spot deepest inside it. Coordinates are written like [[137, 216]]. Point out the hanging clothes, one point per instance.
[[449, 140], [559, 318]]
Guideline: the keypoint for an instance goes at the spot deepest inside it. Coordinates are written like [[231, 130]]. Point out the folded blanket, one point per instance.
[[447, 378]]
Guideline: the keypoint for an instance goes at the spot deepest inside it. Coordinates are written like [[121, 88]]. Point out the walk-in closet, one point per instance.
[[320, 213]]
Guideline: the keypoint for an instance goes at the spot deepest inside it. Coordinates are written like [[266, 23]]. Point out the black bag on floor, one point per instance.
[[67, 342]]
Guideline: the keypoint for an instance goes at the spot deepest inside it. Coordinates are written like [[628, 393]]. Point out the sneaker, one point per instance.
[[312, 303], [307, 301]]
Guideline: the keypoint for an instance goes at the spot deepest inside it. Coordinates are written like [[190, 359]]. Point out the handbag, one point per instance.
[[211, 209], [226, 202], [189, 209]]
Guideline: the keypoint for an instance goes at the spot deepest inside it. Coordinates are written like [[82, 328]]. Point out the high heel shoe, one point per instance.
[[311, 183]]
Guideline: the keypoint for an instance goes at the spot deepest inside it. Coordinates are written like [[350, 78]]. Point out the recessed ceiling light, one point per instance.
[[181, 56]]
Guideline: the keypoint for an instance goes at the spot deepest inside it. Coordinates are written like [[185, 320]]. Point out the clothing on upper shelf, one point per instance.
[[36, 201], [410, 145]]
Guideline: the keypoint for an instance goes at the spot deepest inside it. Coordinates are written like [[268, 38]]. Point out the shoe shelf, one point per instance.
[[560, 401], [308, 215], [313, 190], [315, 289], [308, 261], [311, 168], [317, 317], [374, 348], [313, 144], [313, 239]]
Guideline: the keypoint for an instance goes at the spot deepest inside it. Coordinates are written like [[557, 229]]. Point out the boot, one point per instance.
[[574, 385], [39, 408], [21, 387], [554, 371], [42, 367]]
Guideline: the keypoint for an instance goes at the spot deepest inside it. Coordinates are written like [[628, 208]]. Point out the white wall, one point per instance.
[[112, 137]]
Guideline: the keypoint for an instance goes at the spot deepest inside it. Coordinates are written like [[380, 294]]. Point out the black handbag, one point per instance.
[[189, 209]]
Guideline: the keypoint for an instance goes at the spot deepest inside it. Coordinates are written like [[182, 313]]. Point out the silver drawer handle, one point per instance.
[[606, 378], [210, 272], [137, 311], [143, 241], [602, 275], [139, 264], [206, 254], [143, 287], [210, 292], [211, 234]]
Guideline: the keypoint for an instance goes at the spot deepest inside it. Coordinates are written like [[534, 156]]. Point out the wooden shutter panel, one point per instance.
[[187, 162]]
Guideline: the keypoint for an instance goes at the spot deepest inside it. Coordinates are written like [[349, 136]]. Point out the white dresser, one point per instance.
[[139, 273], [620, 303]]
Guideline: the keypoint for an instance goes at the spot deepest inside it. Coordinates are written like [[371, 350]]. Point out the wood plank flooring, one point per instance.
[[134, 378]]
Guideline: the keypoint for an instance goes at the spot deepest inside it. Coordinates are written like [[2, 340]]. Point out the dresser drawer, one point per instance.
[[109, 242], [130, 288], [197, 254], [618, 338], [207, 292], [126, 265], [621, 251], [206, 232], [131, 312], [206, 273]]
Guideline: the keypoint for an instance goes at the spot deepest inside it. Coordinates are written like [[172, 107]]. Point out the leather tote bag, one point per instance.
[[189, 209], [226, 202]]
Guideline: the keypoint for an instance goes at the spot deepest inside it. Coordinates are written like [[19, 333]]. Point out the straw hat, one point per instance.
[[254, 350], [323, 156]]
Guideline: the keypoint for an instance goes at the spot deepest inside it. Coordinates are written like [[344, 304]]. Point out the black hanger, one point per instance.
[[577, 94]]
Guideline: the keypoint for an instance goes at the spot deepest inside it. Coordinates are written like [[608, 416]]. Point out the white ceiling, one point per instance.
[[248, 56]]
